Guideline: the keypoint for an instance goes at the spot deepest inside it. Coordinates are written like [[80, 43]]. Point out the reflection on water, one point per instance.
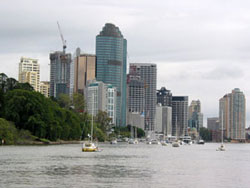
[[125, 165]]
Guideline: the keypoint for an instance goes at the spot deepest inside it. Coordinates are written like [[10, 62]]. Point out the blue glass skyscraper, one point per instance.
[[111, 65]]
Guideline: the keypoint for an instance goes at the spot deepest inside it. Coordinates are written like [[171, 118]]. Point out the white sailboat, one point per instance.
[[222, 146], [90, 145], [176, 143]]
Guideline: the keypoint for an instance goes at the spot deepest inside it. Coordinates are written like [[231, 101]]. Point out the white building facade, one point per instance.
[[104, 98], [29, 71]]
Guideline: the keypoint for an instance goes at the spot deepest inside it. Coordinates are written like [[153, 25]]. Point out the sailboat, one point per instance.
[[176, 143], [90, 145], [132, 139], [222, 146]]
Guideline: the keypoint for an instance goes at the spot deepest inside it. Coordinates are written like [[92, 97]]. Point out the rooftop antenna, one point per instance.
[[63, 41]]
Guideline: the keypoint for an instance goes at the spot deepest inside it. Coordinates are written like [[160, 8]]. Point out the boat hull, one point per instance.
[[89, 149]]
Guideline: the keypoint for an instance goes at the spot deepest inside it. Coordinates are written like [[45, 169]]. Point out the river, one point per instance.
[[123, 165]]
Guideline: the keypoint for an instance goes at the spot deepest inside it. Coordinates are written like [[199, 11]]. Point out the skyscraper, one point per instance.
[[135, 101], [233, 110], [148, 74], [111, 65], [164, 97], [195, 117], [136, 94], [85, 69], [59, 73], [163, 120], [29, 71], [179, 115]]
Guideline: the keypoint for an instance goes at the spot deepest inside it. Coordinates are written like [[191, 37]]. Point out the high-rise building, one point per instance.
[[195, 117], [213, 126], [111, 65], [136, 94], [44, 88], [104, 98], [163, 120], [32, 66], [164, 97], [85, 69], [135, 101], [179, 115], [232, 115], [60, 63], [148, 74]]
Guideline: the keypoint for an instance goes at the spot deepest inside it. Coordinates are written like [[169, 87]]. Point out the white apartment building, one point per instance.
[[104, 98], [29, 69]]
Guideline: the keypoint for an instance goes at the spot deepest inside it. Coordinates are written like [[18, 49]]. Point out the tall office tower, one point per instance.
[[135, 101], [104, 98], [163, 120], [148, 73], [195, 117], [59, 73], [44, 88], [111, 65], [29, 65], [136, 94], [233, 110], [179, 115], [85, 69], [164, 97]]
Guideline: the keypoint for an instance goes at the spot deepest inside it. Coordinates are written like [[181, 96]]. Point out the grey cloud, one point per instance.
[[224, 73]]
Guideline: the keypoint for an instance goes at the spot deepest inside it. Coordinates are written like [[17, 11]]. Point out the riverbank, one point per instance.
[[39, 142]]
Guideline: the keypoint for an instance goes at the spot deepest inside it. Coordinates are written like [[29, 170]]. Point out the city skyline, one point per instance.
[[203, 46]]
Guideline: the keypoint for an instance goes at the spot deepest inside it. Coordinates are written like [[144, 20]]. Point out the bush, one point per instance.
[[8, 132]]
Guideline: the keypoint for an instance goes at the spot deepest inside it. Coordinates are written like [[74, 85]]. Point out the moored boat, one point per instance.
[[89, 147]]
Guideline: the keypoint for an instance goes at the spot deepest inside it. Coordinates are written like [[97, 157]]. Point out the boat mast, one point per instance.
[[92, 116], [222, 127], [176, 127]]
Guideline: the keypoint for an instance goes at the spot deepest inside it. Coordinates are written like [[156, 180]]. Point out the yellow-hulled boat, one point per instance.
[[89, 147]]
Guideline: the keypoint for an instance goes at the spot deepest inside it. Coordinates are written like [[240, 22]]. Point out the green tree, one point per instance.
[[64, 101], [24, 86], [205, 134], [11, 83], [78, 102], [103, 120], [8, 132]]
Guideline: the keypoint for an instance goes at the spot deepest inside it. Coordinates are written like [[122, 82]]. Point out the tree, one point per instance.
[[78, 102], [11, 83], [64, 101], [8, 132], [103, 120], [205, 134], [24, 86]]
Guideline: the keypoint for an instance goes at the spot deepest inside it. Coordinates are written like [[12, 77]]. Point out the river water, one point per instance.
[[123, 165]]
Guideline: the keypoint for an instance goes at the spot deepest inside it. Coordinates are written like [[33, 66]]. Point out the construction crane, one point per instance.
[[63, 41]]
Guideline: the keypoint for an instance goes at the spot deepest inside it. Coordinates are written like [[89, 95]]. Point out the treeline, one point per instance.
[[47, 118]]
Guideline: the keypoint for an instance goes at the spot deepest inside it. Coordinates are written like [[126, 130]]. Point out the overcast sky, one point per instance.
[[201, 47]]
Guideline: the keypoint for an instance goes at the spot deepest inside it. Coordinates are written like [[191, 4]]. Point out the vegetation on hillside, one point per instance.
[[45, 118]]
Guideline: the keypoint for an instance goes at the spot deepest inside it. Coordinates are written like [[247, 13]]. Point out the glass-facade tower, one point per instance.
[[111, 65]]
